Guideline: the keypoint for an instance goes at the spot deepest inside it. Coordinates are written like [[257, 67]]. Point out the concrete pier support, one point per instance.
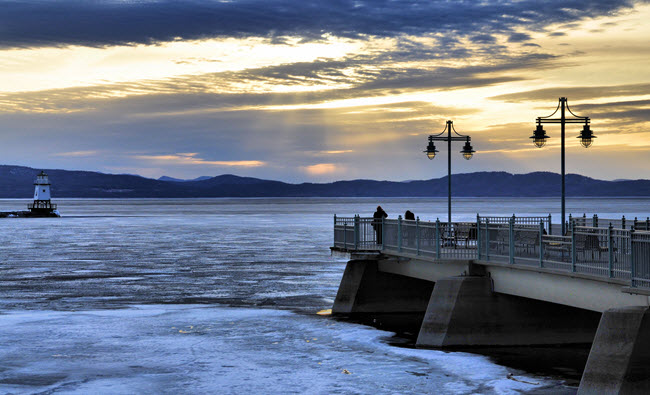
[[364, 289], [619, 361], [464, 311]]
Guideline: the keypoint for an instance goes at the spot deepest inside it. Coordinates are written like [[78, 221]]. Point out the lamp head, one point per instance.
[[539, 136], [467, 151], [586, 136], [431, 149]]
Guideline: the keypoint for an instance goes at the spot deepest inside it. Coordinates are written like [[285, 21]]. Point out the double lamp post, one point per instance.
[[467, 152], [586, 138]]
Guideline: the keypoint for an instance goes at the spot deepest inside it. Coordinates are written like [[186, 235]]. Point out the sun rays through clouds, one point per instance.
[[316, 90]]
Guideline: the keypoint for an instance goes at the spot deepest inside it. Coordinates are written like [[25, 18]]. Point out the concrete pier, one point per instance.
[[503, 281], [499, 305], [619, 360]]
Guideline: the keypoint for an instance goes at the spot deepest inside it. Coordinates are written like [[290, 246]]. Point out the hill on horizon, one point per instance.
[[17, 182]]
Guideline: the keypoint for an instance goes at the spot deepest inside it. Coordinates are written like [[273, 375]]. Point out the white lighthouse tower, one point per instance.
[[42, 205]]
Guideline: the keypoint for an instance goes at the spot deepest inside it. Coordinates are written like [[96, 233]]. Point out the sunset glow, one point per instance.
[[350, 94]]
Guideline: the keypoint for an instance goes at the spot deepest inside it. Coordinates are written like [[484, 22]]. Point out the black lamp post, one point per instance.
[[539, 138], [467, 152]]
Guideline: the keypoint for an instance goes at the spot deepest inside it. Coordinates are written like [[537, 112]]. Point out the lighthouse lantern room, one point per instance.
[[42, 195]]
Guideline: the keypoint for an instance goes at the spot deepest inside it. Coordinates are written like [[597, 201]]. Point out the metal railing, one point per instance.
[[518, 221], [597, 251], [434, 239], [617, 223], [356, 233], [640, 257], [40, 204]]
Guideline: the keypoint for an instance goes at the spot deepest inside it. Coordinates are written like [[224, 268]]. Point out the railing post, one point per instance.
[[399, 233], [623, 222], [632, 260], [487, 239], [584, 219], [356, 232], [634, 225], [550, 225], [511, 242], [478, 236], [383, 233], [334, 230], [345, 235], [541, 243], [573, 246], [609, 249], [595, 221], [437, 238], [417, 236]]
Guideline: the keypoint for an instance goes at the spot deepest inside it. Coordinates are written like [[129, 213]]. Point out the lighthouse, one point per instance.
[[42, 205]]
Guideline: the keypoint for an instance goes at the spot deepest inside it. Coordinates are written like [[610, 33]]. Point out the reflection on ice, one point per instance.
[[180, 349]]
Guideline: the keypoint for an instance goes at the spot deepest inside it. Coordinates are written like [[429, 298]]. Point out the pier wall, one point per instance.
[[619, 360], [366, 289], [465, 311]]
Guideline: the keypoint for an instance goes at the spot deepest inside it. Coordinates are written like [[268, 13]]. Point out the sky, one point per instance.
[[317, 91]]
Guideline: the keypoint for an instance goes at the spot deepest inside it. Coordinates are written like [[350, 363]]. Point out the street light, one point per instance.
[[586, 138], [467, 152]]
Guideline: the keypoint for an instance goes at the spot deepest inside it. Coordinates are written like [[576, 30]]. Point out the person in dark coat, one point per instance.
[[376, 222], [408, 215]]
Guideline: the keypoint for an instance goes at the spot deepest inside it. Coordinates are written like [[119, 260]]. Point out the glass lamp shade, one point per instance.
[[539, 136], [539, 142], [586, 136]]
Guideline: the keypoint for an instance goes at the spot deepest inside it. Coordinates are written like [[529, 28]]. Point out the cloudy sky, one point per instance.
[[319, 90]]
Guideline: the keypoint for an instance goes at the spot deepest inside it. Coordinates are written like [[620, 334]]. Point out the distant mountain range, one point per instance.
[[17, 182], [165, 178]]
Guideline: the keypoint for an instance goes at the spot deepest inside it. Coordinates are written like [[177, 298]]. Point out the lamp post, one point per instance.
[[467, 152], [539, 139]]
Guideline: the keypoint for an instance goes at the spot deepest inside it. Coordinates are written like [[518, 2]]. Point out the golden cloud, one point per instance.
[[76, 153], [321, 169], [191, 158]]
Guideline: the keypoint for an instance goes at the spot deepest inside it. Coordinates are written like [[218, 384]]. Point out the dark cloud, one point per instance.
[[629, 112], [100, 23], [483, 39], [518, 37], [576, 93]]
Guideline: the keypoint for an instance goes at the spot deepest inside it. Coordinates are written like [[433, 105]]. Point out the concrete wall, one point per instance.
[[566, 288], [619, 361], [365, 289], [570, 289], [464, 311]]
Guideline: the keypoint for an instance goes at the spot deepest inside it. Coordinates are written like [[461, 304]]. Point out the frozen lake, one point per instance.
[[220, 296]]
